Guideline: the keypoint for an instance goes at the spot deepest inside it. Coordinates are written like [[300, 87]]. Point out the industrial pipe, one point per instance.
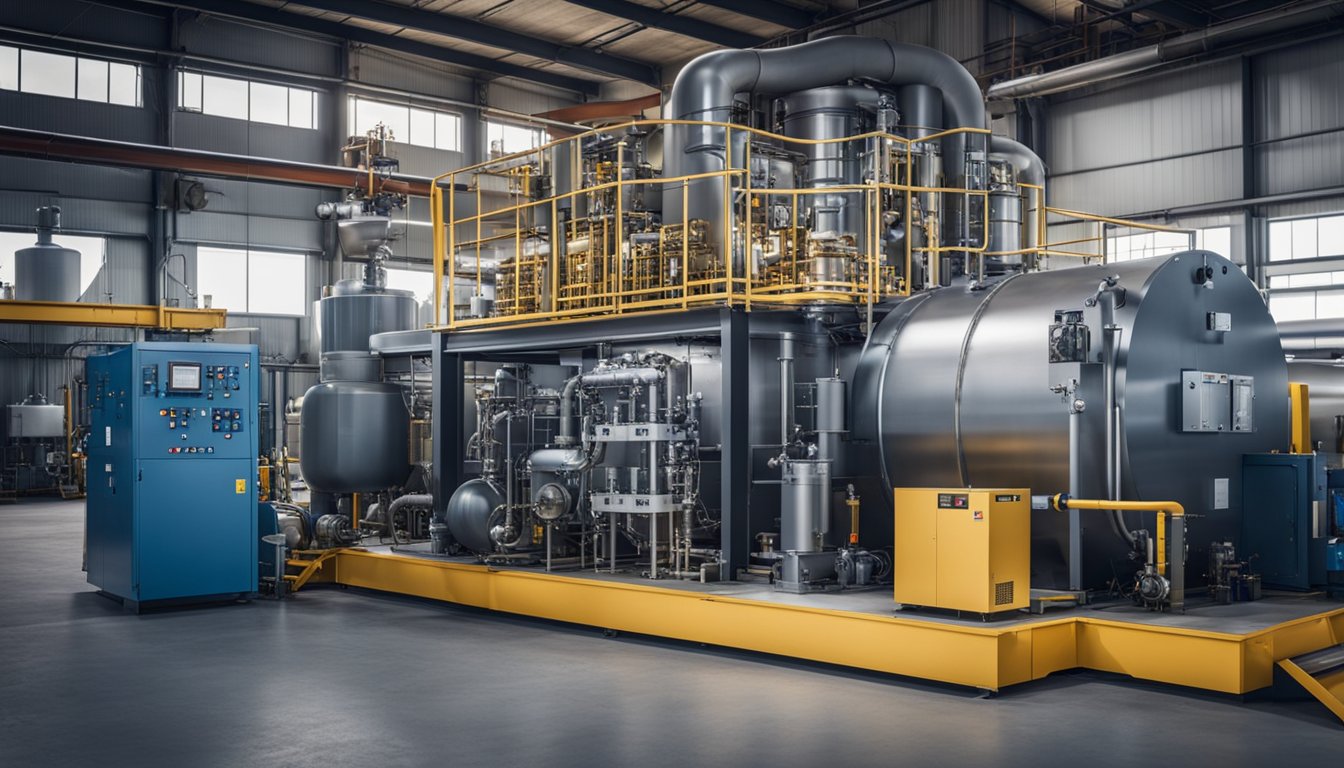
[[706, 88], [1183, 46], [47, 145]]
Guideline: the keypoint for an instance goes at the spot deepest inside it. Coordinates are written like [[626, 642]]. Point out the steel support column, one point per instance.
[[447, 393], [735, 452]]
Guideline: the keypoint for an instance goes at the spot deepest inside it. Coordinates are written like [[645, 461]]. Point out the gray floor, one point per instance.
[[342, 678]]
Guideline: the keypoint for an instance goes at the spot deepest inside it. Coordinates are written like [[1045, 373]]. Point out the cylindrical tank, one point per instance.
[[1325, 392], [355, 437], [1005, 225], [805, 506], [829, 113], [469, 510], [958, 382], [352, 313], [354, 430], [46, 271]]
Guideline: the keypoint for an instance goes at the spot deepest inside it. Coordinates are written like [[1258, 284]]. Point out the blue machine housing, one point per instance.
[[1282, 496], [172, 468]]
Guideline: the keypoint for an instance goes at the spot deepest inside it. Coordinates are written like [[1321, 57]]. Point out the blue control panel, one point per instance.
[[172, 490]]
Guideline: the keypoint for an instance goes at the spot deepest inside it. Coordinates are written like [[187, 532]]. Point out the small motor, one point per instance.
[[1070, 338], [334, 531]]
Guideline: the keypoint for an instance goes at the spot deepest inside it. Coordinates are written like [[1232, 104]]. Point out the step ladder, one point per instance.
[[308, 563], [1321, 673]]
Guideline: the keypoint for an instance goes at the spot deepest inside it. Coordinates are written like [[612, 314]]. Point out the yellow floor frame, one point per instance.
[[989, 657]]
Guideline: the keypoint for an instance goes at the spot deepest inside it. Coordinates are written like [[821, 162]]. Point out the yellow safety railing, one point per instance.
[[1078, 247], [507, 230]]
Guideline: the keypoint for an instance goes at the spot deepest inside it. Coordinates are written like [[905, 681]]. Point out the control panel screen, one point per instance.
[[184, 377]]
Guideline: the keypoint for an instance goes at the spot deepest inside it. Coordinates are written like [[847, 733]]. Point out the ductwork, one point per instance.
[[1183, 46], [1029, 167], [706, 87]]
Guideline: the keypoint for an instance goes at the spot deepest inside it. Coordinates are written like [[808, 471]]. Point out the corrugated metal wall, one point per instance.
[[1148, 145]]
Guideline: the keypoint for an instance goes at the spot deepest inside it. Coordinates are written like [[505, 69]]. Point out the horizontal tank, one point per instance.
[[958, 384], [355, 437]]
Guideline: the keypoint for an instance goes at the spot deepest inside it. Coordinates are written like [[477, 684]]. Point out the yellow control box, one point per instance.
[[963, 549]]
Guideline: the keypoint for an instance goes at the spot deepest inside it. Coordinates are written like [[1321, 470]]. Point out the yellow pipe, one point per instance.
[[1061, 503]]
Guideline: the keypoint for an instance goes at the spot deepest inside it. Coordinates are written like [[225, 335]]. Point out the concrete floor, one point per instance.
[[343, 678]]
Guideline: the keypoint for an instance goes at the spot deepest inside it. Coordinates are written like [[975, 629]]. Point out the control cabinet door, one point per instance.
[[1276, 515], [195, 527]]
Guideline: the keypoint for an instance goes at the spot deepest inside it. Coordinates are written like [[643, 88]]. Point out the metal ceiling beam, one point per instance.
[[671, 22], [1172, 13], [487, 34], [767, 10], [278, 18]]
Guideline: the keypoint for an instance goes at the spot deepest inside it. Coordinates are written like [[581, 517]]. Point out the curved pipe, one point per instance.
[[1062, 503], [421, 500], [706, 87], [1028, 164]]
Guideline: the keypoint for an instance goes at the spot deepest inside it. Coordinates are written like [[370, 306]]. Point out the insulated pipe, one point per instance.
[[1202, 41], [706, 87], [1028, 164]]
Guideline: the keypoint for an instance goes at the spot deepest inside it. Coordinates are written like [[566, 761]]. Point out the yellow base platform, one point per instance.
[[1230, 649]]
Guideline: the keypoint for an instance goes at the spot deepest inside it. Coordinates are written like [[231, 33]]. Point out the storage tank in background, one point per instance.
[[46, 271]]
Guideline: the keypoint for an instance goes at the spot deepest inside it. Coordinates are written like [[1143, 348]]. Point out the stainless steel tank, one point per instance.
[[954, 390], [355, 437], [46, 271], [830, 113], [1325, 392]]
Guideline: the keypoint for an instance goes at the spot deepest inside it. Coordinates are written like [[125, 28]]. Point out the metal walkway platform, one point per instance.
[[1225, 648]]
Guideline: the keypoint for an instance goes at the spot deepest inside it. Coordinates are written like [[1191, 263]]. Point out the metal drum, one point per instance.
[[355, 437], [958, 383]]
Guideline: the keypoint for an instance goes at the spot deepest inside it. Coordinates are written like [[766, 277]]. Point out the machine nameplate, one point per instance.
[[953, 501], [634, 503], [638, 433]]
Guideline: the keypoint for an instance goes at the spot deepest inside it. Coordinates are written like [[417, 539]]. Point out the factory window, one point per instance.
[[255, 282], [69, 77], [408, 125], [246, 100], [1145, 244], [91, 252], [507, 138], [421, 283], [1306, 268]]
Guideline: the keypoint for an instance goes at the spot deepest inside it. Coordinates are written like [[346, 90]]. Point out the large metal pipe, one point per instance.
[[47, 145], [1183, 46], [706, 88]]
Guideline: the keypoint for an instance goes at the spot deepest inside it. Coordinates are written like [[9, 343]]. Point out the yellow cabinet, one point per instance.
[[963, 549]]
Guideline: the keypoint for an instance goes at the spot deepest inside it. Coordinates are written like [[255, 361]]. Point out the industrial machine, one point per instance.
[[963, 549], [172, 502], [847, 192]]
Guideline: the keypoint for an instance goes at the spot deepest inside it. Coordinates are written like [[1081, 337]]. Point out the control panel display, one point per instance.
[[184, 377]]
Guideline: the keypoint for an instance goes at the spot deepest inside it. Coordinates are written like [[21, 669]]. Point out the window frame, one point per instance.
[[245, 275], [1319, 276], [191, 97], [111, 82], [409, 138]]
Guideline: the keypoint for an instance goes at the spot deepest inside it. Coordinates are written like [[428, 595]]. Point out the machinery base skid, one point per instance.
[[1228, 649]]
